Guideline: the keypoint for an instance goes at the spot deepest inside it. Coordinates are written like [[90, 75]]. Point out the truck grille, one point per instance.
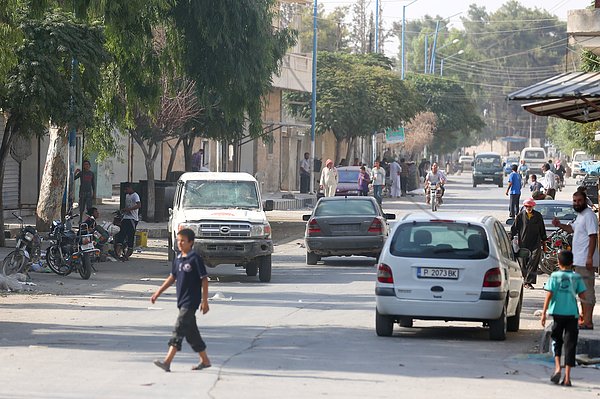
[[224, 230]]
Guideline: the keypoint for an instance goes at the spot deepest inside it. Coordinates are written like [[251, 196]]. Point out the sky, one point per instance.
[[454, 9]]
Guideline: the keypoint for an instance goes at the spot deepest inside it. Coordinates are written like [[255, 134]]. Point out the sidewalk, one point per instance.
[[282, 203]]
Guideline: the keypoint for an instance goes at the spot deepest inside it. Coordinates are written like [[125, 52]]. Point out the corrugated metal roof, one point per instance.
[[574, 96]]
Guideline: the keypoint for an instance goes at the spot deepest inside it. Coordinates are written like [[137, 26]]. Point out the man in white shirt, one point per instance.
[[305, 174], [378, 181], [329, 179], [395, 170], [434, 176], [128, 223], [585, 254], [549, 181]]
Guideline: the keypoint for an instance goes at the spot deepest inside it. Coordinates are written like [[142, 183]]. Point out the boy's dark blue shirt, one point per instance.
[[189, 271]]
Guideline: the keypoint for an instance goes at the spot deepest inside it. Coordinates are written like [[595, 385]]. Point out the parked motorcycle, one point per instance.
[[435, 197], [27, 250], [558, 241], [70, 250]]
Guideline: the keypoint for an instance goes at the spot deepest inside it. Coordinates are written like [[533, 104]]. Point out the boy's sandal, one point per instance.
[[586, 327], [201, 366]]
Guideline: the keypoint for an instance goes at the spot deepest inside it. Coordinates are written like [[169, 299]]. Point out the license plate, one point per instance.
[[436, 272], [345, 228], [488, 179], [87, 247]]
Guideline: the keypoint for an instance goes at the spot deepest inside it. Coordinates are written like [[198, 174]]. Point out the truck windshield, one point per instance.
[[220, 194], [534, 154]]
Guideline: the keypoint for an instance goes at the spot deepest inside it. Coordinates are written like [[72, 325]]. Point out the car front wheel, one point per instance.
[[384, 325]]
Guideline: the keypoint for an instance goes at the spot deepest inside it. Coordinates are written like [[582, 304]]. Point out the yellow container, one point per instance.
[[141, 239]]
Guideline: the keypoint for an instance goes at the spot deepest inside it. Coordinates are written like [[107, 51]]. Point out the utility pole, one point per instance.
[[313, 114]]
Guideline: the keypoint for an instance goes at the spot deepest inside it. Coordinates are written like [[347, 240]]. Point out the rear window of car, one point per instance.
[[440, 240], [533, 154], [345, 207], [562, 212], [348, 176]]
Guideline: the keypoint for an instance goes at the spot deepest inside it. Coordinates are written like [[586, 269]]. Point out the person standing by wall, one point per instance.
[[395, 170], [514, 191], [403, 176], [378, 180], [585, 253], [128, 223], [86, 189], [329, 179], [305, 174], [529, 227]]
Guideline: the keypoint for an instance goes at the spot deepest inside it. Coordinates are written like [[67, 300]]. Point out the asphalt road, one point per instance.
[[309, 333]]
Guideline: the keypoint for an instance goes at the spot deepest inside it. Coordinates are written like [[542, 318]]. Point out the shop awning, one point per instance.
[[574, 96]]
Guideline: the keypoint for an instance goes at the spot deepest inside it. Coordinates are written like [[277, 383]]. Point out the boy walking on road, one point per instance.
[[562, 288], [192, 292]]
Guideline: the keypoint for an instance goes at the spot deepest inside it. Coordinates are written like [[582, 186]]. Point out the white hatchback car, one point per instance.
[[456, 268]]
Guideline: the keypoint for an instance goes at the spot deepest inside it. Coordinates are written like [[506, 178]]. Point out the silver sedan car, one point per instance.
[[345, 226]]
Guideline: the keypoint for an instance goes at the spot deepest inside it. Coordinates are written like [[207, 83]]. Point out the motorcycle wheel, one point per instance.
[[433, 204], [55, 262], [548, 264], [13, 263], [85, 268]]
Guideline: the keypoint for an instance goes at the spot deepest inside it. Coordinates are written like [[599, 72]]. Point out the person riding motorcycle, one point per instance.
[[560, 171], [434, 176], [524, 171]]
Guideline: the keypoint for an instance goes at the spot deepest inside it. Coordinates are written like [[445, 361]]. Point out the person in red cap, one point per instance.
[[529, 228], [329, 179]]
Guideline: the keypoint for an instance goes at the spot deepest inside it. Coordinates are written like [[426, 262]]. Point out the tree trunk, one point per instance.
[[188, 151], [4, 153], [350, 150], [53, 180], [338, 151], [151, 201], [173, 156]]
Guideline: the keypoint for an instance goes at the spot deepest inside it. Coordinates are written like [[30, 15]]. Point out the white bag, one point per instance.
[[515, 244]]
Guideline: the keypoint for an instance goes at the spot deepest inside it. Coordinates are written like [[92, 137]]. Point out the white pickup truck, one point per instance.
[[225, 211]]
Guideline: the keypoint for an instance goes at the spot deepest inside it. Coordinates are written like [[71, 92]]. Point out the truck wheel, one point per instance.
[[170, 252], [501, 184], [312, 258], [474, 184], [251, 268], [264, 269]]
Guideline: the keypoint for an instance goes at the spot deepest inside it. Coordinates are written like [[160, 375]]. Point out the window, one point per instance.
[[346, 207], [440, 240], [503, 242]]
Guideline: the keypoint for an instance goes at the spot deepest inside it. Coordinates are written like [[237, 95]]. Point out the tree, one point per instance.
[[46, 86], [332, 30], [457, 117], [356, 96], [419, 133], [362, 33]]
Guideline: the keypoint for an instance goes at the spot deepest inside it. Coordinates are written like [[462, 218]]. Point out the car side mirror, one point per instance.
[[389, 216], [170, 211], [269, 205], [510, 221], [306, 218], [503, 164]]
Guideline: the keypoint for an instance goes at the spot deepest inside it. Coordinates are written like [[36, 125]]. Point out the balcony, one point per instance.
[[295, 73], [583, 26]]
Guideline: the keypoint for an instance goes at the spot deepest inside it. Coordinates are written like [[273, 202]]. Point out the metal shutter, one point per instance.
[[10, 189]]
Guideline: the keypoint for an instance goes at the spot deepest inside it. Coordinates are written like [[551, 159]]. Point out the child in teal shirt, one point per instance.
[[562, 288]]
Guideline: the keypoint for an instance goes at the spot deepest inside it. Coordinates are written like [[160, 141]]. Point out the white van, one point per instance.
[[534, 157], [578, 157], [226, 213]]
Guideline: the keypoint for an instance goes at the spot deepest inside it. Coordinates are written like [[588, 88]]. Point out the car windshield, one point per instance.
[[348, 176], [580, 157], [535, 155], [562, 212], [220, 194], [488, 161], [346, 208], [440, 240]]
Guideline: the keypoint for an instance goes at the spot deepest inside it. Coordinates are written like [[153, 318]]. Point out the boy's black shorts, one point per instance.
[[186, 327]]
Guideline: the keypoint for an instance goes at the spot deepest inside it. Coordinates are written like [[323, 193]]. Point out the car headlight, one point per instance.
[[261, 230], [191, 226], [499, 173], [476, 173]]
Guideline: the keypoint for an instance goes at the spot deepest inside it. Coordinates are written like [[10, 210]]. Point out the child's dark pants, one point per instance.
[[186, 327], [565, 330]]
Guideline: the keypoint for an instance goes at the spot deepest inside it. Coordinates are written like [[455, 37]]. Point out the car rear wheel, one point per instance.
[[513, 323], [384, 325], [406, 322], [312, 258], [498, 327]]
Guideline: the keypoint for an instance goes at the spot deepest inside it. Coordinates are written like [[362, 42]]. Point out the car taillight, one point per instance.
[[493, 278], [376, 226], [384, 274], [313, 227]]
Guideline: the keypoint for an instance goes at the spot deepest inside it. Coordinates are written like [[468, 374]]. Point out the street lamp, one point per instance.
[[403, 29], [442, 61], [313, 113], [435, 51]]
